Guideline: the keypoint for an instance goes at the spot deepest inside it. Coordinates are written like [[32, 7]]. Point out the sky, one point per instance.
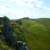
[[16, 9]]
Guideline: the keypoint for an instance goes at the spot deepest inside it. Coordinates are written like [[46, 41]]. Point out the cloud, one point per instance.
[[23, 8], [39, 4]]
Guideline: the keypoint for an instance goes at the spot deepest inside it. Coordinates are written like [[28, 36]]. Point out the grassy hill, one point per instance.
[[35, 32]]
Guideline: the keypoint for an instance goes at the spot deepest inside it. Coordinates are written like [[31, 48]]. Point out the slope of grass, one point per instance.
[[36, 33]]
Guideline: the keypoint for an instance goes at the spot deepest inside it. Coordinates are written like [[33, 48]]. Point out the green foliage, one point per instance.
[[3, 46]]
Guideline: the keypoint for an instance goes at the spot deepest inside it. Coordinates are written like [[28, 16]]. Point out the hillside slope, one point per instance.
[[35, 32]]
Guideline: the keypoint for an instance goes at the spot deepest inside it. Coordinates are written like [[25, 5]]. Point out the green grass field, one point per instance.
[[35, 32]]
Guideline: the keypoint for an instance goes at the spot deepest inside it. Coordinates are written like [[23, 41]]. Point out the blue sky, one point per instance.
[[16, 9]]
